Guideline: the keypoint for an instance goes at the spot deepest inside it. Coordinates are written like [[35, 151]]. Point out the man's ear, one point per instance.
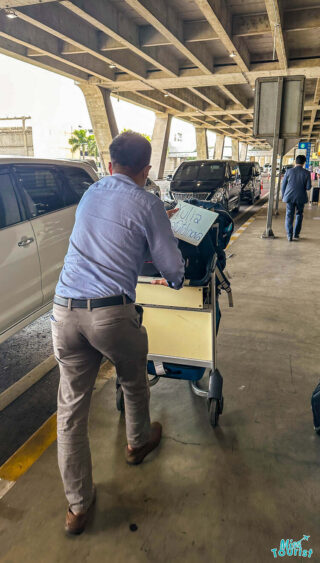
[[146, 171], [110, 168]]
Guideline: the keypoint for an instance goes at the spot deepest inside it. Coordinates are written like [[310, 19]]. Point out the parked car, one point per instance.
[[152, 187], [212, 180], [38, 199], [250, 181]]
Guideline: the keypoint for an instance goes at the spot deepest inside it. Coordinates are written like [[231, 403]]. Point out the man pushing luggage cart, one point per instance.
[[182, 326]]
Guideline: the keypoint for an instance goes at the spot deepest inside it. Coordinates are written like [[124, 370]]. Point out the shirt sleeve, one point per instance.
[[163, 246]]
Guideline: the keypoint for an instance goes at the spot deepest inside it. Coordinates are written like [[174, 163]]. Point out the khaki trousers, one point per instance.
[[80, 338]]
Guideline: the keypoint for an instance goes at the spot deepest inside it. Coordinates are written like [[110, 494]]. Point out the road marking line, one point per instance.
[[36, 445], [30, 451], [5, 486], [239, 232], [21, 386]]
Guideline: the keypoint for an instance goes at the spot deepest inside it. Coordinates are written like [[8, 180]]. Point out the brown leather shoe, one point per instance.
[[76, 523], [136, 456]]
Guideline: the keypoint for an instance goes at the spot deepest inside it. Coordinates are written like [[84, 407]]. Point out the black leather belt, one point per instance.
[[92, 303]]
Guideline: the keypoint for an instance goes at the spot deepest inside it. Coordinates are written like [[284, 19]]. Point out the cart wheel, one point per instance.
[[120, 399], [221, 403], [214, 412]]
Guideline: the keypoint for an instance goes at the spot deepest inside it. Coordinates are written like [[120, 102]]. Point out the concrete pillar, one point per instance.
[[243, 152], [218, 149], [102, 119], [262, 161], [235, 149], [202, 143], [160, 140]]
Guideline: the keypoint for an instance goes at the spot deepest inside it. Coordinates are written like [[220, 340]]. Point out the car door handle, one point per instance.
[[25, 241]]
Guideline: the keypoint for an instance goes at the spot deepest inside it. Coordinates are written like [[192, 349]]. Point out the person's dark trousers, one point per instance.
[[293, 208]]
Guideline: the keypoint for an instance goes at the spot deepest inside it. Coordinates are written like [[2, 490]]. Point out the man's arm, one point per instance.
[[308, 184], [284, 183], [163, 246]]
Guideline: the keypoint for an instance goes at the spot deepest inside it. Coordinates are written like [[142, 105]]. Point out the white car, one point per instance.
[[38, 199]]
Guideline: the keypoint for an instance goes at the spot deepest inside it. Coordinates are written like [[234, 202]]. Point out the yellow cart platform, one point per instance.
[[181, 328]]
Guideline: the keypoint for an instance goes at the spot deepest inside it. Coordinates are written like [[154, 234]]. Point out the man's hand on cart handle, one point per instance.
[[171, 212], [161, 281]]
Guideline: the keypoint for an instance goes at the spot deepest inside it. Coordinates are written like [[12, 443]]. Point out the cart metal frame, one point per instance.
[[160, 297]]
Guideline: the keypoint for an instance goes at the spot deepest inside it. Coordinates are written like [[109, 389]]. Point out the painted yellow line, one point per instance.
[[30, 451], [241, 230], [34, 447]]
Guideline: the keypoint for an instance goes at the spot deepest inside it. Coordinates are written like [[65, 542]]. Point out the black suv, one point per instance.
[[250, 181], [212, 180]]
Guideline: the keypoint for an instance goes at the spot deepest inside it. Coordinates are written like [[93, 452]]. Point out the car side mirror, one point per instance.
[[169, 177]]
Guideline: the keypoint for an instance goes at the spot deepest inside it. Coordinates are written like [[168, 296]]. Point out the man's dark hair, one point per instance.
[[131, 150], [301, 159]]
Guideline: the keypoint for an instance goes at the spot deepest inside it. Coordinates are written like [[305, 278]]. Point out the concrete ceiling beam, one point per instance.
[[188, 98], [166, 21], [141, 101], [70, 28], [164, 99], [69, 49], [235, 95], [247, 25], [274, 16], [219, 17], [224, 76], [243, 25], [40, 43], [210, 95], [20, 52], [105, 17], [15, 3]]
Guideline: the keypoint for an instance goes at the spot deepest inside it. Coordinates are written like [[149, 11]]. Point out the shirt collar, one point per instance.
[[125, 179]]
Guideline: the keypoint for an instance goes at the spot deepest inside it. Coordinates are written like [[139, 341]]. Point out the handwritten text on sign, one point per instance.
[[192, 223]]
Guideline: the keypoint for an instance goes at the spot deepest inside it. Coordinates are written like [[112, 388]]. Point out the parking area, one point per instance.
[[251, 481]]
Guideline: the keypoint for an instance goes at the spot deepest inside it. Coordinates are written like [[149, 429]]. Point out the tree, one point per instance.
[[143, 134], [79, 141], [92, 147]]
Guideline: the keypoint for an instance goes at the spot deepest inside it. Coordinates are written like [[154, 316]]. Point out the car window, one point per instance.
[[213, 171], [79, 181], [9, 209], [41, 189], [187, 172], [245, 169]]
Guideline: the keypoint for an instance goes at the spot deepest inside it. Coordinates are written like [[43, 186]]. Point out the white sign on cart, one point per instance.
[[191, 223]]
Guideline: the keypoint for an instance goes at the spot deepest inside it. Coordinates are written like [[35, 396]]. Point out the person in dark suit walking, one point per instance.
[[295, 184]]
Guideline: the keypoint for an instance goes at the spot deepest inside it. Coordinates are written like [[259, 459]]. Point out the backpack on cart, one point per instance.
[[219, 241], [200, 260], [315, 405]]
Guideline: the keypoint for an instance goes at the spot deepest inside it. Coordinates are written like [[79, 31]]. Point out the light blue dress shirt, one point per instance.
[[118, 225]]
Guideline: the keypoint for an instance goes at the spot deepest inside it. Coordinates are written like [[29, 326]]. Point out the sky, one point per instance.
[[57, 106]]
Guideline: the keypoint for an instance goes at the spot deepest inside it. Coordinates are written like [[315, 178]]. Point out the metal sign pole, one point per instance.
[[268, 232], [281, 150]]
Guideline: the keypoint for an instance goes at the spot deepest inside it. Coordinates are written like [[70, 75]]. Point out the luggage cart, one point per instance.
[[182, 333]]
